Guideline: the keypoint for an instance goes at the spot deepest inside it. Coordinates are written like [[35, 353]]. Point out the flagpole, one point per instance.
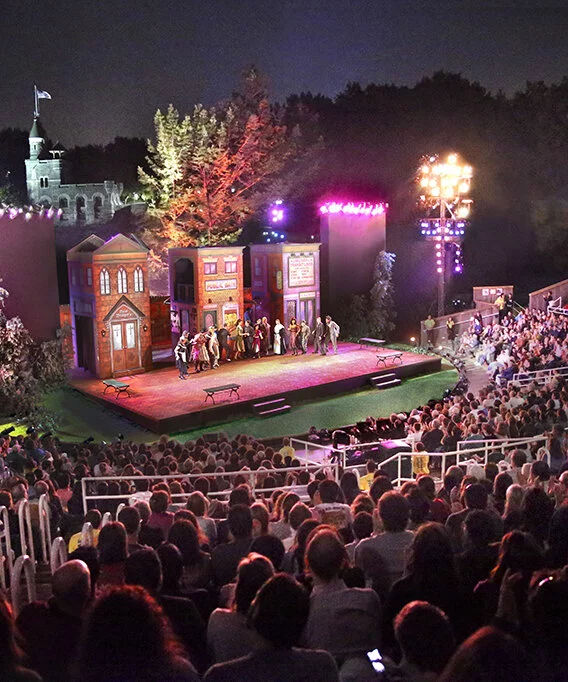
[[36, 105]]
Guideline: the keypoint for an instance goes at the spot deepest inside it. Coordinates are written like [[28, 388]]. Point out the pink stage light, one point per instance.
[[351, 208]]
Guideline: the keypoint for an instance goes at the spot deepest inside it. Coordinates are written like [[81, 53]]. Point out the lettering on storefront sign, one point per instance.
[[301, 271], [220, 284]]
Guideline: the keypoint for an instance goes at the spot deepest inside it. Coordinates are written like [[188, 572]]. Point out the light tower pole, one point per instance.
[[444, 187]]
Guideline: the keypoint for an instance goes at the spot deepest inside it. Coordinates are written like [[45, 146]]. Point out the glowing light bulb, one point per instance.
[[452, 158]]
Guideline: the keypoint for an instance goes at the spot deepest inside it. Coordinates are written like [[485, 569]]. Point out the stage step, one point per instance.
[[385, 380], [271, 407]]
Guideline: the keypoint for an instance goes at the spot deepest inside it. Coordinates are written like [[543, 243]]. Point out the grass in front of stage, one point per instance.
[[79, 417]]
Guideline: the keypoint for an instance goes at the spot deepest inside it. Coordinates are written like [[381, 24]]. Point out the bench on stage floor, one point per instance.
[[371, 342], [389, 357], [118, 386], [212, 392]]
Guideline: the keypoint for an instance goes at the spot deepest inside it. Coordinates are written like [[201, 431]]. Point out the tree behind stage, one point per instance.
[[214, 168]]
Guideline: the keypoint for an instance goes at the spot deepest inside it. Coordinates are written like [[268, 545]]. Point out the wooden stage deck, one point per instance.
[[162, 403]]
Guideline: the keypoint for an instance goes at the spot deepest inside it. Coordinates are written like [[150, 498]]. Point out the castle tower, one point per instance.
[[44, 172]]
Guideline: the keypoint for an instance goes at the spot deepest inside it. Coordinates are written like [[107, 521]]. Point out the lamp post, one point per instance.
[[444, 189]]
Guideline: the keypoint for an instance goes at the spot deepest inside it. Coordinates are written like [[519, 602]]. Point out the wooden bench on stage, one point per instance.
[[211, 392], [371, 342], [118, 386], [389, 357]]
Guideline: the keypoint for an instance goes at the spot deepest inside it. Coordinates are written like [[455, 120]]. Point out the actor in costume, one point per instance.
[[213, 348], [333, 332], [318, 333], [265, 331], [304, 336], [293, 329], [239, 337], [248, 332], [257, 342], [180, 354], [279, 348], [223, 338]]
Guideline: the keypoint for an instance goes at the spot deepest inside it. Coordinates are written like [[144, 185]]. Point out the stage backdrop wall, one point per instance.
[[28, 271]]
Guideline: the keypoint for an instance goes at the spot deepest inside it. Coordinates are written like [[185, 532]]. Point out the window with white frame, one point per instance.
[[138, 280], [122, 281], [210, 268], [230, 266], [105, 282]]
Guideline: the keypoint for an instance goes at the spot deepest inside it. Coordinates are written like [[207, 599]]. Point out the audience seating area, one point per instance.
[[231, 559]]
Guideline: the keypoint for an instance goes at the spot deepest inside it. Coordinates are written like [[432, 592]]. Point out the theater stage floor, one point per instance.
[[162, 403]]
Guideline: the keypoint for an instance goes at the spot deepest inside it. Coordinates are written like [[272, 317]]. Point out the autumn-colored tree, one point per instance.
[[212, 169]]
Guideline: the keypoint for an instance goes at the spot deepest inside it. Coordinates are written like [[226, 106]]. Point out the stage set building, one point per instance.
[[206, 287], [285, 282], [49, 184], [110, 306]]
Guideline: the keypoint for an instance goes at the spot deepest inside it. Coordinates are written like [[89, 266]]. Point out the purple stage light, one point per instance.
[[350, 208]]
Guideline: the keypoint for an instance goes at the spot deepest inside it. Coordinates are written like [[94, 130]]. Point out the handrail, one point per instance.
[[87, 535], [45, 527], [526, 377], [107, 518], [58, 554], [250, 475], [26, 533], [26, 565], [6, 553]]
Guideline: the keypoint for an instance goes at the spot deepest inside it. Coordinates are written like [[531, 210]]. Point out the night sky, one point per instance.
[[110, 64]]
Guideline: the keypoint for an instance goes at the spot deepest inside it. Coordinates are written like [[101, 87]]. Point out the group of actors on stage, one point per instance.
[[207, 347]]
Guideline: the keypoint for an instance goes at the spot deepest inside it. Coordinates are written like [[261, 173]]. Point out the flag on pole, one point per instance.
[[42, 94]]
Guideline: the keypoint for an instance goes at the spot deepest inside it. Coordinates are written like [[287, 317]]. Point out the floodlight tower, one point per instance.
[[444, 196]]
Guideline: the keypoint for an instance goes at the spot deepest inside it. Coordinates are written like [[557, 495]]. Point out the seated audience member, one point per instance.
[[481, 550], [128, 637], [279, 614], [293, 562], [380, 485], [489, 654], [93, 516], [260, 519], [197, 571], [518, 553], [330, 507], [349, 485], [113, 551], [344, 621], [426, 641], [298, 514], [430, 576], [362, 528], [11, 657], [270, 547], [160, 518], [512, 514], [199, 505], [537, 509], [51, 629], [475, 497], [383, 556], [556, 553], [228, 633], [281, 528], [225, 558], [130, 519], [143, 568], [150, 536]]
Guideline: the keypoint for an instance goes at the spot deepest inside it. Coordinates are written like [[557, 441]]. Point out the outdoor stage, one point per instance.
[[162, 403]]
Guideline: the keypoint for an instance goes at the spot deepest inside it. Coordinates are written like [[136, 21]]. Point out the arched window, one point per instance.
[[122, 281], [138, 280], [63, 203], [97, 206], [80, 207], [105, 282]]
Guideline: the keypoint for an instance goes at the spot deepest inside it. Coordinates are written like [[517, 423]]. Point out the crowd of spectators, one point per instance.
[[247, 570]]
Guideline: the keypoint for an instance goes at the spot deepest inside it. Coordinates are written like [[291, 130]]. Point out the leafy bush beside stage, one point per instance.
[[27, 369]]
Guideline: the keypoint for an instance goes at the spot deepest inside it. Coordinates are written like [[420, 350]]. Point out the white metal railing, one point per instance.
[[58, 555], [87, 535], [252, 477], [26, 532], [538, 375], [45, 527], [24, 566], [6, 552]]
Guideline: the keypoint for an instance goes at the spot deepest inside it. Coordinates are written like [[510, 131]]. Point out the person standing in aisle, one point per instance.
[[451, 331]]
